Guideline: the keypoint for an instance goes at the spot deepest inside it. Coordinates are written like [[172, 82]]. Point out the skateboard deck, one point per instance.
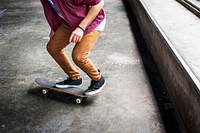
[[74, 91]]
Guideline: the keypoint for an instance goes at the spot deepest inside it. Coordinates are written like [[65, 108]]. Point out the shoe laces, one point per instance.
[[69, 80], [65, 81], [93, 85]]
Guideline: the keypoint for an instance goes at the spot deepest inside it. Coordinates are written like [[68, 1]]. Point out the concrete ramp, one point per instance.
[[172, 34]]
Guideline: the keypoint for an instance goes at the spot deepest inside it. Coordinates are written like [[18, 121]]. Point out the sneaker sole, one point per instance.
[[66, 86]]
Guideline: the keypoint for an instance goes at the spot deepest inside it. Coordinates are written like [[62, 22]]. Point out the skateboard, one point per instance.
[[78, 93]]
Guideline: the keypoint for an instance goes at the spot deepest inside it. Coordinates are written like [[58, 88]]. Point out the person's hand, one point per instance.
[[51, 34], [76, 35]]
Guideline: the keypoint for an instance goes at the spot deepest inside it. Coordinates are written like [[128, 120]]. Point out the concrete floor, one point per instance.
[[125, 105]]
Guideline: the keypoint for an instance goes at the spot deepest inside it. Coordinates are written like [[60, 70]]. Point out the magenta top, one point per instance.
[[73, 12]]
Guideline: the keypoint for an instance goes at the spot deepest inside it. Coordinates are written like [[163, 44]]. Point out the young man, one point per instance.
[[79, 22]]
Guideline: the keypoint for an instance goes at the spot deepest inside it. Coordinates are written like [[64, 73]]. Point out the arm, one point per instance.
[[91, 15], [78, 33], [51, 34]]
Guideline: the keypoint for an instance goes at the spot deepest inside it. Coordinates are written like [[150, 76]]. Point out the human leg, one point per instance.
[[80, 55], [81, 59], [56, 47]]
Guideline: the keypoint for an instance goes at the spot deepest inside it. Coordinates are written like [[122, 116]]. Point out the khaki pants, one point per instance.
[[79, 54]]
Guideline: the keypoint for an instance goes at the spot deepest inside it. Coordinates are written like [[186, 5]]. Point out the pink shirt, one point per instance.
[[73, 12]]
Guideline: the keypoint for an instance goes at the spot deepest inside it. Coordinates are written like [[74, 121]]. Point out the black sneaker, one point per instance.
[[95, 86], [69, 83]]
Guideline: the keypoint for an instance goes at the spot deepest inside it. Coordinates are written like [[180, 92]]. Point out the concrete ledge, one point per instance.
[[181, 81], [190, 6]]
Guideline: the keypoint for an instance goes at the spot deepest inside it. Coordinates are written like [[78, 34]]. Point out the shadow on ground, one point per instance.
[[60, 97]]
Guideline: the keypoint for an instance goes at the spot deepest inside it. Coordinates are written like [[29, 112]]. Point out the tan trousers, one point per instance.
[[79, 54]]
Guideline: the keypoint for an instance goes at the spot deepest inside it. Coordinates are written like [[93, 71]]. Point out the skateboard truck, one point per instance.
[[74, 91], [78, 100]]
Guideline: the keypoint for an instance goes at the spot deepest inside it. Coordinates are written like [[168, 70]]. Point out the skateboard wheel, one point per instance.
[[44, 91], [78, 100]]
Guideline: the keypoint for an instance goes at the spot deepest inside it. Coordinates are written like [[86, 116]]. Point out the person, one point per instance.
[[79, 22]]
